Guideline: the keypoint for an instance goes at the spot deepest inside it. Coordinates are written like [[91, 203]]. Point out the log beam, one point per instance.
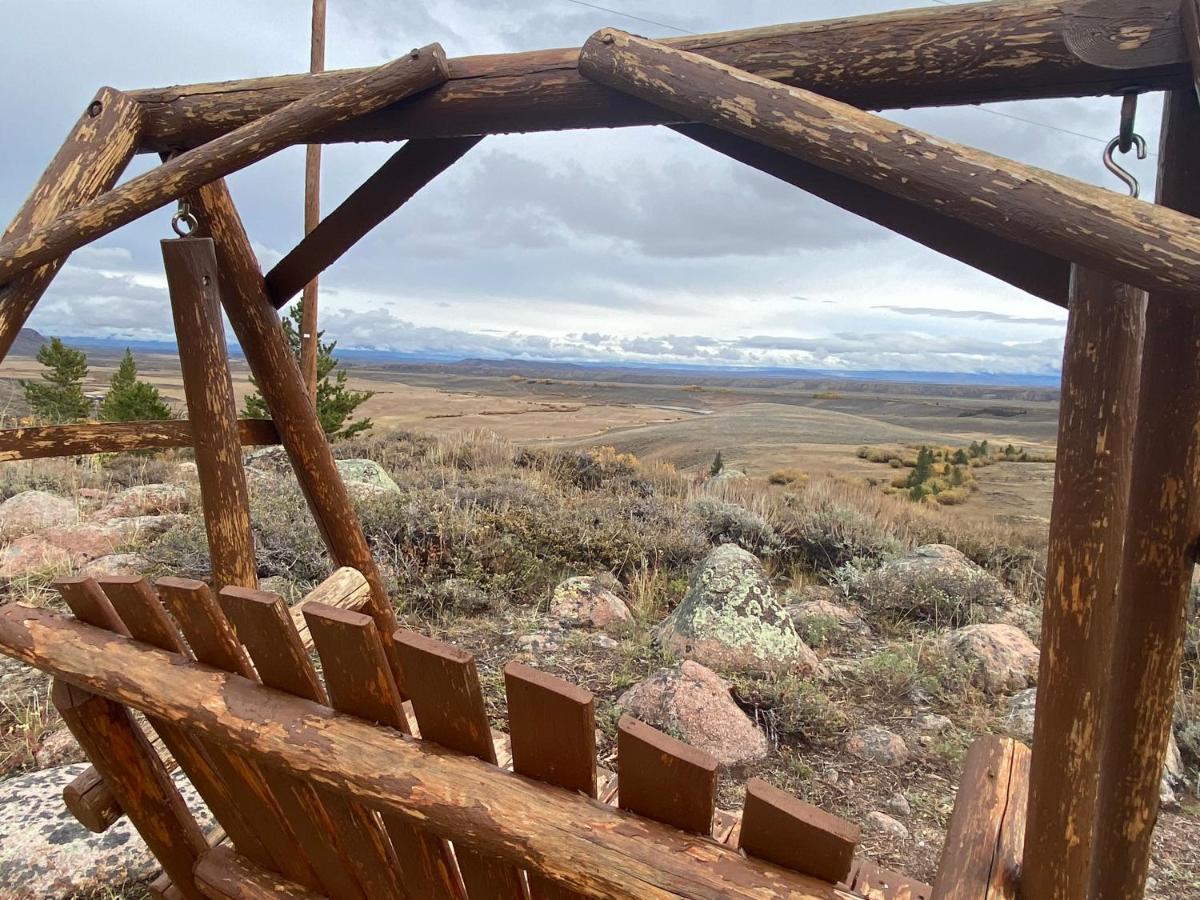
[[929, 56], [395, 182], [1190, 11], [590, 847], [47, 441], [1143, 244], [88, 164], [1023, 267], [182, 174]]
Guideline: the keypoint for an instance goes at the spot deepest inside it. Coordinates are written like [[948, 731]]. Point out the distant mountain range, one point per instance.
[[28, 343]]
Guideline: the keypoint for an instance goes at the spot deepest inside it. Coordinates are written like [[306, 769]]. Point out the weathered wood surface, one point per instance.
[[256, 324], [1162, 523], [664, 779], [182, 174], [46, 441], [312, 212], [1140, 243], [929, 56], [116, 746], [1027, 268], [1190, 11], [982, 855], [782, 829], [595, 849], [191, 267], [222, 874], [1097, 415], [407, 171], [88, 164], [345, 588]]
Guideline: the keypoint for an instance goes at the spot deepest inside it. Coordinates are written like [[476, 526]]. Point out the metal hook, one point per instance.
[[1113, 166], [184, 222]]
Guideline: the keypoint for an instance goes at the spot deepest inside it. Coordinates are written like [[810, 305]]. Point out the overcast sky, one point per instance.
[[618, 245]]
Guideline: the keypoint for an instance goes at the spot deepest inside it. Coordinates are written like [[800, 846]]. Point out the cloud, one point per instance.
[[979, 314]]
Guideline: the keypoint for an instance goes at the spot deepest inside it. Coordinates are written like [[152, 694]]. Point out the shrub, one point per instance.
[[728, 523], [789, 706], [943, 598], [788, 476], [918, 672]]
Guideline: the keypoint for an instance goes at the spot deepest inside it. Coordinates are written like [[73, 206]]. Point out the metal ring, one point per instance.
[[1113, 166], [184, 217]]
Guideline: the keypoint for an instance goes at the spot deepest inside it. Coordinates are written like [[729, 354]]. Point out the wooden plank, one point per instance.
[[448, 705], [981, 857], [191, 268], [264, 626], [295, 123], [346, 588], [222, 874], [588, 846], [256, 324], [664, 779], [359, 680], [1091, 485], [120, 752], [552, 727], [309, 340], [778, 827], [1145, 245], [88, 602], [874, 882], [201, 620], [89, 162], [1162, 522], [1027, 268], [395, 182], [86, 438], [1190, 12], [926, 56]]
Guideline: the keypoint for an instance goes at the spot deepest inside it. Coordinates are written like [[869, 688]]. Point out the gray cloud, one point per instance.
[[978, 314]]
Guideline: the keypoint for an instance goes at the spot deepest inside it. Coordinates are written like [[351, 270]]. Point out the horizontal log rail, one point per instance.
[[1139, 243], [930, 56], [46, 441], [583, 844]]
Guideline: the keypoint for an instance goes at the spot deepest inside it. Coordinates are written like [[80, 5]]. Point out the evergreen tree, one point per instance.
[[130, 399], [960, 457], [336, 403], [923, 470], [717, 465], [58, 397]]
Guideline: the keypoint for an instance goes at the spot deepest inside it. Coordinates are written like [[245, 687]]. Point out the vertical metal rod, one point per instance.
[[312, 214]]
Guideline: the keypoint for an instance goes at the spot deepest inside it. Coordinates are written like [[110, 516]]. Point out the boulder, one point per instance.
[[145, 500], [86, 540], [813, 611], [540, 643], [116, 564], [940, 570], [31, 511], [693, 704], [44, 852], [33, 553], [933, 723], [583, 602], [731, 618], [365, 476], [1019, 719], [885, 824], [898, 805], [1003, 656], [878, 745], [139, 528]]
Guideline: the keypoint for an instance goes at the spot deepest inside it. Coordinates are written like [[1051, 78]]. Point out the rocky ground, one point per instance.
[[845, 646]]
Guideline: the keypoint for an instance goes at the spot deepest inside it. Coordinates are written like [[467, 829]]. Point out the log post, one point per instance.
[[1091, 486], [186, 172], [254, 320], [312, 212], [1145, 245], [191, 266], [88, 163], [1163, 523]]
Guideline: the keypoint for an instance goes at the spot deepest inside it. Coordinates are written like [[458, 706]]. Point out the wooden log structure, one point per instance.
[[88, 163], [1190, 11], [85, 439], [1148, 246], [582, 845], [927, 56], [182, 174], [395, 182], [312, 212]]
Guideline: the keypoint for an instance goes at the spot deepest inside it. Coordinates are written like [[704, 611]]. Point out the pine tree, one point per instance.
[[717, 465], [58, 397], [923, 470], [130, 399], [336, 403]]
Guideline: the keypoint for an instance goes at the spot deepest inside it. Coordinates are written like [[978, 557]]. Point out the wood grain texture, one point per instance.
[[89, 163], [778, 827], [229, 153], [1162, 523], [1140, 243], [222, 874], [1027, 268], [928, 56], [1097, 415], [202, 622], [191, 268], [260, 335], [395, 182], [1190, 12], [981, 858], [84, 439], [345, 588], [312, 212], [593, 848], [264, 626], [664, 779]]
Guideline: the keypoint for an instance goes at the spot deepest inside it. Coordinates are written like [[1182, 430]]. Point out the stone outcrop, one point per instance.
[[1003, 657], [32, 511], [584, 602]]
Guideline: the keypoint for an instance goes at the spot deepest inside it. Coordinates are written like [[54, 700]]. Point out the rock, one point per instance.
[[186, 472], [1166, 796], [44, 852], [878, 745], [139, 528], [1003, 656], [1173, 767], [271, 460], [145, 500], [693, 704], [32, 553], [898, 805], [932, 723], [731, 618], [31, 511], [367, 476], [56, 747], [885, 824], [818, 614], [540, 642], [725, 476], [582, 602], [604, 642], [86, 540], [116, 564], [1020, 714]]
